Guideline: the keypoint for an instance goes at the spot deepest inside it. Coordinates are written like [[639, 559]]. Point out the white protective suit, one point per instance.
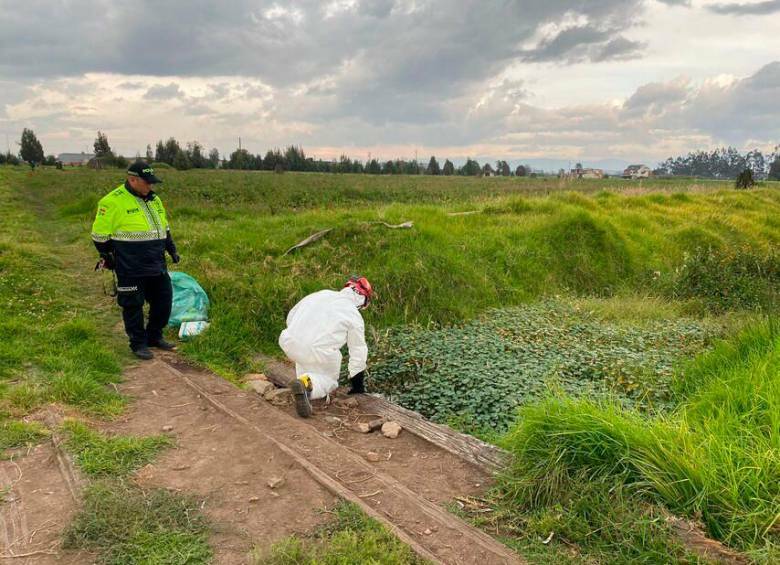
[[317, 328]]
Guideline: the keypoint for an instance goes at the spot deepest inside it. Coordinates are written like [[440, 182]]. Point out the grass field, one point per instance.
[[630, 269], [234, 227]]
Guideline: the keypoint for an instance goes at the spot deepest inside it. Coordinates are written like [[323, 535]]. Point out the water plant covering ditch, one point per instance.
[[475, 375]]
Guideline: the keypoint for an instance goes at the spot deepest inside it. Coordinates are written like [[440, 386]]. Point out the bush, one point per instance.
[[729, 278], [745, 179]]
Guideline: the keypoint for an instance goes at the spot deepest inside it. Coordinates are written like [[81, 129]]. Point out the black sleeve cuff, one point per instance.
[[170, 246], [103, 247]]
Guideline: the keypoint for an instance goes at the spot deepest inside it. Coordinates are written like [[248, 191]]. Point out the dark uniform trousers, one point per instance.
[[132, 292]]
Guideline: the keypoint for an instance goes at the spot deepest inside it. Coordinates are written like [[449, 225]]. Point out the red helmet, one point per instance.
[[362, 287]]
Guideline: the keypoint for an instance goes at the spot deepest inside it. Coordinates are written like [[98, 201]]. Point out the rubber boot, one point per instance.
[[301, 387]]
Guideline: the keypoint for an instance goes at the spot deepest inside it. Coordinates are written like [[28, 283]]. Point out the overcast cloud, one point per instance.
[[587, 79]]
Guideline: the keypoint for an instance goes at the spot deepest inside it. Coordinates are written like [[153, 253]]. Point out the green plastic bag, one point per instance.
[[190, 303]]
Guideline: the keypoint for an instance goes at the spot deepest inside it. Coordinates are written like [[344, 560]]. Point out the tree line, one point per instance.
[[193, 155], [723, 163]]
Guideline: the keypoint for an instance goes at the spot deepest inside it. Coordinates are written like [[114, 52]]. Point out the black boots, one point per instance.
[[143, 353], [358, 387]]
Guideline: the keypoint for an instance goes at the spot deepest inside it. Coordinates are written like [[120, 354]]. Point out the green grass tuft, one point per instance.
[[352, 537], [101, 456], [17, 434], [129, 526]]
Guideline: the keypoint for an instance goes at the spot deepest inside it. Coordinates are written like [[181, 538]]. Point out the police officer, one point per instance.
[[131, 234]]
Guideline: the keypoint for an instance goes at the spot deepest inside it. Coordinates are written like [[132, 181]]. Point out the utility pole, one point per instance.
[[239, 143]]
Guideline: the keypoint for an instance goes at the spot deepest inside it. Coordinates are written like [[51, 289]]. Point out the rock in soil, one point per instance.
[[372, 456], [261, 387], [333, 420], [391, 429], [255, 377], [349, 402], [167, 428], [275, 482], [279, 396], [373, 425]]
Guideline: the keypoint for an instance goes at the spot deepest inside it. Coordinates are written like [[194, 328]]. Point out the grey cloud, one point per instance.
[[166, 92], [618, 48], [378, 62], [41, 38], [377, 8], [752, 9], [570, 44], [653, 97]]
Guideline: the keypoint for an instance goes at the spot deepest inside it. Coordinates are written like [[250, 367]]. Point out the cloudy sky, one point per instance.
[[590, 80]]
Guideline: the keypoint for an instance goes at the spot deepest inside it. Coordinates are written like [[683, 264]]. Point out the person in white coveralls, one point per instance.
[[317, 328]]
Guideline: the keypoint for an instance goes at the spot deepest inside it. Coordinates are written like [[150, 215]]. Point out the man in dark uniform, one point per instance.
[[131, 234]]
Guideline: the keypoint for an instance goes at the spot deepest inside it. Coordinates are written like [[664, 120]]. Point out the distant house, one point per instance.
[[582, 173], [637, 172], [75, 159]]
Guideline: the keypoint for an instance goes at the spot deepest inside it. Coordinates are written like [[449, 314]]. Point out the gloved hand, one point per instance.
[[175, 258], [358, 387], [106, 261]]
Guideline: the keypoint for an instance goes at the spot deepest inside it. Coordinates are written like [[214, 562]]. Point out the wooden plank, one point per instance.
[[311, 239], [479, 453]]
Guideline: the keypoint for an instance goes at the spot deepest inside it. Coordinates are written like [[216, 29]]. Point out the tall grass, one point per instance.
[[531, 238], [717, 458]]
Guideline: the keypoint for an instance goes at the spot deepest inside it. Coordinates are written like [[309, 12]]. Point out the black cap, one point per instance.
[[143, 170]]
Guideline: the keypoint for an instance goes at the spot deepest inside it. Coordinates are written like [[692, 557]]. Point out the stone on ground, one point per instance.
[[391, 429], [260, 387]]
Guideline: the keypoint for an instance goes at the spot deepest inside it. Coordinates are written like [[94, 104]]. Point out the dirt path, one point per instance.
[[229, 444], [43, 491], [402, 490]]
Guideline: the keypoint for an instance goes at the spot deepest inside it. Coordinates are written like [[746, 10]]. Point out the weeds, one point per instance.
[[475, 376]]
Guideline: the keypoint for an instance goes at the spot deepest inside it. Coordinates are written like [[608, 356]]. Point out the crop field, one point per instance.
[[618, 337]]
